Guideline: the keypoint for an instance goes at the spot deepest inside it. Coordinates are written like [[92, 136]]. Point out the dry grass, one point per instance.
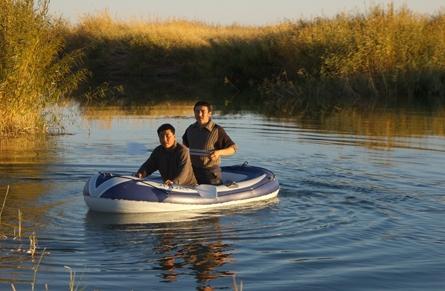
[[385, 56], [34, 71], [4, 202]]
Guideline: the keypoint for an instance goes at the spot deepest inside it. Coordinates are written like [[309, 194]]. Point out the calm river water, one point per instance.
[[361, 207]]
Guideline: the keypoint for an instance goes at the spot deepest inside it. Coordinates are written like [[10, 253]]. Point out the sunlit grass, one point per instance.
[[384, 57], [34, 70]]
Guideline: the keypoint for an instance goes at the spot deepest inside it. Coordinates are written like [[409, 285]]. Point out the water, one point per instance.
[[361, 207]]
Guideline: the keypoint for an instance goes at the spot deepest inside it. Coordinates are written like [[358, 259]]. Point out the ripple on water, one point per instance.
[[355, 211]]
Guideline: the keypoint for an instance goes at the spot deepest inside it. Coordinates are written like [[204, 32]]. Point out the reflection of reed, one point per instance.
[[14, 251], [33, 149], [382, 129], [174, 108], [104, 116], [387, 123], [23, 162], [21, 214]]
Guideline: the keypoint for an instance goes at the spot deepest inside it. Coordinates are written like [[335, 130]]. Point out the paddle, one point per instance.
[[207, 191], [204, 190]]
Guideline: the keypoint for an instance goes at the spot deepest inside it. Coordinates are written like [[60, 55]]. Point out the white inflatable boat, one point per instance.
[[107, 192]]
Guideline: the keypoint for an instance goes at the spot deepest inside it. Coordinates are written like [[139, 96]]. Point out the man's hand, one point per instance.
[[139, 175], [168, 183], [214, 155]]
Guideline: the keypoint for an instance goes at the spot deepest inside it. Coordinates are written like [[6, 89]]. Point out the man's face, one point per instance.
[[167, 138], [202, 114]]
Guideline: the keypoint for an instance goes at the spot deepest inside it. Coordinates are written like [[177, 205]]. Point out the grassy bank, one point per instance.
[[34, 70], [141, 61], [385, 57]]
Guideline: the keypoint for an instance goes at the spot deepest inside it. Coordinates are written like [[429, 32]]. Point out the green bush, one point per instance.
[[34, 71]]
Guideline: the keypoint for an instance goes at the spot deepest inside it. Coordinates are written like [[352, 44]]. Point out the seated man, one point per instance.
[[207, 142], [170, 158]]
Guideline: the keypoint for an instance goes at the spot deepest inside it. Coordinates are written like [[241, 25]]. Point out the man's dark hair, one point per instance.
[[166, 126], [203, 103]]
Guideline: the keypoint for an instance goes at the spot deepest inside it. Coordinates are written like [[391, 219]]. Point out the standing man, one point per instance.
[[170, 158], [207, 143]]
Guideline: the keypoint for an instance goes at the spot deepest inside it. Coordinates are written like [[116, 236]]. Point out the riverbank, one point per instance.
[[385, 57]]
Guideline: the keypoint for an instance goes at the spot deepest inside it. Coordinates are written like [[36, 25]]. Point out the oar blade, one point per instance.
[[207, 191]]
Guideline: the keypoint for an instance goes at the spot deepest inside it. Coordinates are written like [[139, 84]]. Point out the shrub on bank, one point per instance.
[[34, 71], [385, 57]]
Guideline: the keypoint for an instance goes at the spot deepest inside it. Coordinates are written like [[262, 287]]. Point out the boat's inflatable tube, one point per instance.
[[106, 192]]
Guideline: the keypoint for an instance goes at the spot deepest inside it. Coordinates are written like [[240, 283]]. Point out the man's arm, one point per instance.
[[150, 165], [224, 145], [184, 167], [223, 152]]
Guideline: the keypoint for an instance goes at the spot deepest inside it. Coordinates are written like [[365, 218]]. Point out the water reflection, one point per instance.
[[320, 164], [103, 117], [204, 255], [374, 130], [178, 244], [24, 162], [378, 123], [385, 123]]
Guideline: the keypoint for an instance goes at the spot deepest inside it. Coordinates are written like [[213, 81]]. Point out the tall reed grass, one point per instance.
[[137, 59], [384, 57], [34, 69]]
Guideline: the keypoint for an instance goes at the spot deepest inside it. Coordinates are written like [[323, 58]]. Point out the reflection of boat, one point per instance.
[[100, 218], [106, 192]]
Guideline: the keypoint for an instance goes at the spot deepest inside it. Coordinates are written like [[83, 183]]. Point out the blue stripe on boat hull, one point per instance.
[[134, 190]]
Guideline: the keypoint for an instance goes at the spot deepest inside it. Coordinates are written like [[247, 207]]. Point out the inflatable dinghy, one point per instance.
[[107, 192]]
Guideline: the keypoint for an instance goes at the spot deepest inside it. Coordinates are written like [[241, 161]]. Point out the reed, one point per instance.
[[36, 269], [19, 232], [34, 69], [72, 282], [235, 284], [32, 245], [3, 204], [384, 57], [137, 60]]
